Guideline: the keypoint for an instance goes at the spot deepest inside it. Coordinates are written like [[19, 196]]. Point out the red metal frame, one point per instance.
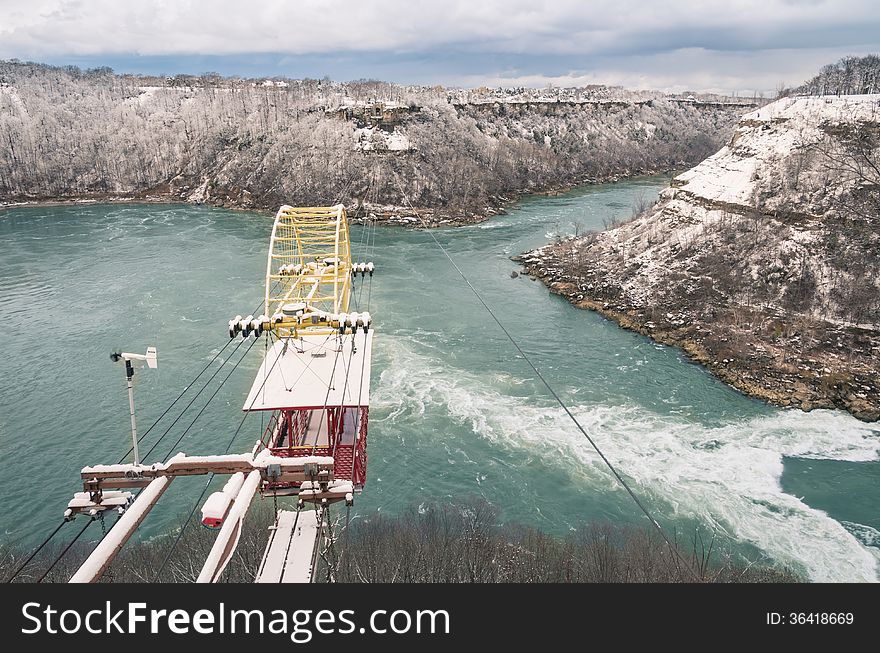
[[288, 427]]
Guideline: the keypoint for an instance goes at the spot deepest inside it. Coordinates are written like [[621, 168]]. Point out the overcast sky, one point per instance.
[[732, 46]]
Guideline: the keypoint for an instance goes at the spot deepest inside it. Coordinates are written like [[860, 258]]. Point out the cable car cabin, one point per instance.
[[315, 377], [318, 390]]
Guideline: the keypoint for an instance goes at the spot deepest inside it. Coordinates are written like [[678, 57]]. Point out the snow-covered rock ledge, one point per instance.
[[762, 262]]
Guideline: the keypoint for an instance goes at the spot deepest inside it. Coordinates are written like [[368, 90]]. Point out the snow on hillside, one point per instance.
[[763, 136], [373, 139], [763, 261]]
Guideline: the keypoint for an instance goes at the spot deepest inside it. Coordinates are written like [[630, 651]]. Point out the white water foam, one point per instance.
[[727, 476], [865, 534]]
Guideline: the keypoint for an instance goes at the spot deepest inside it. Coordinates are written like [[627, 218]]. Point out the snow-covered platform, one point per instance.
[[314, 372], [288, 556]]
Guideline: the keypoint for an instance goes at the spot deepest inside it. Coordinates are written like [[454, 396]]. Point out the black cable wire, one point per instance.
[[106, 531], [272, 538], [66, 549], [210, 478], [346, 544], [362, 254], [329, 555], [173, 403], [317, 550], [299, 507], [36, 551], [210, 399], [192, 401], [191, 383], [196, 504], [140, 439], [550, 389]]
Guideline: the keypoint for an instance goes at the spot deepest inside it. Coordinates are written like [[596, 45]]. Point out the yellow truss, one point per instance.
[[309, 263]]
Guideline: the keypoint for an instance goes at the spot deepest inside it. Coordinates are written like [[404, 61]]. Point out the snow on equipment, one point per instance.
[[314, 385], [217, 506]]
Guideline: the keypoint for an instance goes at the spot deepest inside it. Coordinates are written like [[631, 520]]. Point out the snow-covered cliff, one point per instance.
[[763, 261]]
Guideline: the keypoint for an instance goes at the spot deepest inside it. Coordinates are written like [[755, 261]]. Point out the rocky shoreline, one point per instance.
[[760, 263], [382, 214], [387, 214], [781, 364], [780, 367]]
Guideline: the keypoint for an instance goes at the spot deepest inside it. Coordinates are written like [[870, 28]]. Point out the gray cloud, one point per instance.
[[733, 45]]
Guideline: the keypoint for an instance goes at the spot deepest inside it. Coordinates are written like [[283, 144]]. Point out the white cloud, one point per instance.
[[617, 33], [696, 69], [150, 27]]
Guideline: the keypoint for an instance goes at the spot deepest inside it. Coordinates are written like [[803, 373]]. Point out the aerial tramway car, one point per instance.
[[314, 382], [315, 377]]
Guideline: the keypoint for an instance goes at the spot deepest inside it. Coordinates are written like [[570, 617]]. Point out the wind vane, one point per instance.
[[152, 361]]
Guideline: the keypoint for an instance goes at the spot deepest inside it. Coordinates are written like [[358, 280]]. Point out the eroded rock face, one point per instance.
[[762, 262]]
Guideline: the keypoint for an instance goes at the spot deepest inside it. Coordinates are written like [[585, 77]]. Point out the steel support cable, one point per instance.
[[345, 190], [372, 248], [36, 551], [299, 507], [369, 292], [345, 544], [192, 512], [329, 554], [345, 387], [317, 550], [66, 549], [272, 537], [370, 229], [173, 403], [46, 541], [361, 254], [183, 392], [211, 477], [192, 401], [365, 256], [360, 417], [327, 396], [361, 244], [210, 399], [105, 531], [558, 399]]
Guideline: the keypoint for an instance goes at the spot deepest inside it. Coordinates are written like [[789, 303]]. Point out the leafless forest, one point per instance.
[[68, 133], [452, 543], [849, 76]]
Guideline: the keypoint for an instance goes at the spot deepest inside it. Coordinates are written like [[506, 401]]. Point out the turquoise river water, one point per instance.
[[454, 413]]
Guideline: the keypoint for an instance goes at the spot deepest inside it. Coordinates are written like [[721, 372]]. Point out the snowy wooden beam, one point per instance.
[[281, 470], [95, 565], [227, 539]]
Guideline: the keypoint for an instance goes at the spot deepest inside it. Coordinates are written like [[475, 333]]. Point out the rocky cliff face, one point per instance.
[[762, 262]]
